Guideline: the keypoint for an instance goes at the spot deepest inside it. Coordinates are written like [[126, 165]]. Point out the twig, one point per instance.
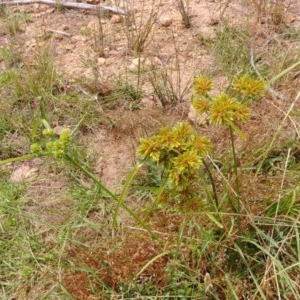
[[60, 32], [102, 8]]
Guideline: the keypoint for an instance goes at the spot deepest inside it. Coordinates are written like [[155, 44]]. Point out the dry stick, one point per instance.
[[102, 8]]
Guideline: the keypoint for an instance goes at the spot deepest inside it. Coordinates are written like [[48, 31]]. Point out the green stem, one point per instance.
[[237, 184], [88, 174], [110, 193], [235, 164], [19, 158], [215, 195], [91, 176]]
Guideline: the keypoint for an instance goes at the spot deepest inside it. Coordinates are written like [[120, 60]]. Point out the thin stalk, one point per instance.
[[157, 198], [110, 193], [121, 198], [215, 195], [138, 87], [235, 168], [89, 175], [237, 184], [19, 158]]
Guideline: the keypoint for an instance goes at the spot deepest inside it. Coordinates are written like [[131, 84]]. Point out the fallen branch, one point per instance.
[[102, 8]]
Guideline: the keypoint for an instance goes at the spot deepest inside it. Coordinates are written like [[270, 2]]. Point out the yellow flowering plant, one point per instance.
[[228, 109], [58, 146], [202, 85], [52, 145], [179, 153], [249, 87]]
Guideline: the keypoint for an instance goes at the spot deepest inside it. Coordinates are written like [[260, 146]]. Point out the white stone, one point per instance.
[[166, 21], [101, 61], [23, 173]]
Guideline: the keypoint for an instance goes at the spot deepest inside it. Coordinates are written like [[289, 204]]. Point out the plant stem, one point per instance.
[[215, 195], [88, 174], [110, 193], [19, 158], [237, 184], [91, 176]]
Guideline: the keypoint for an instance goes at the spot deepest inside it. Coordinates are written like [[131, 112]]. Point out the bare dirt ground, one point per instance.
[[74, 37], [85, 52]]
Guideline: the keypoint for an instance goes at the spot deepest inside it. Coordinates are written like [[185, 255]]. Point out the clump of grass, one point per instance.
[[139, 27], [36, 85], [183, 7], [10, 56], [164, 88], [170, 87], [22, 250], [232, 50], [14, 23], [120, 94]]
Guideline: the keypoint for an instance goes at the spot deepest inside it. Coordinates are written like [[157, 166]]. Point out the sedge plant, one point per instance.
[[229, 109], [178, 152], [48, 144]]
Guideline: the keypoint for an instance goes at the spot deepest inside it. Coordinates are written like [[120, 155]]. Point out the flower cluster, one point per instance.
[[202, 85], [178, 150], [53, 145], [226, 109], [248, 86]]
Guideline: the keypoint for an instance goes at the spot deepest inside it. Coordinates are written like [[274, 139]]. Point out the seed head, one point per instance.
[[149, 147], [201, 144], [201, 105], [223, 110], [202, 85], [182, 131], [168, 139], [187, 161], [35, 148], [248, 86]]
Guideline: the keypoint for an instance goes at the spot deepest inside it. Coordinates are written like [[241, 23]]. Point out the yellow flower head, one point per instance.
[[202, 85], [223, 109], [183, 130], [149, 147], [248, 86], [187, 161], [201, 105], [168, 139], [242, 112], [201, 144]]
